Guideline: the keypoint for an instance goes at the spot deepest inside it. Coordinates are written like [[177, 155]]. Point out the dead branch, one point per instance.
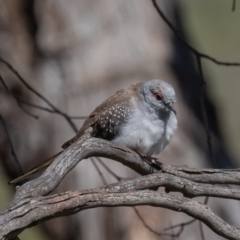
[[30, 204]]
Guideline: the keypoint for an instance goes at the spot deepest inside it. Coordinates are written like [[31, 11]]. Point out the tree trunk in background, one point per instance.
[[78, 53]]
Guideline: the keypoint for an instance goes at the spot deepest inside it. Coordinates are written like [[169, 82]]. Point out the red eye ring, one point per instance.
[[159, 96]]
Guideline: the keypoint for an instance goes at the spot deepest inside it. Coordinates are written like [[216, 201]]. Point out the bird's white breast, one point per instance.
[[147, 133]]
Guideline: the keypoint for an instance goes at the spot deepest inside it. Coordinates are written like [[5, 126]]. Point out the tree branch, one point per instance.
[[30, 205]]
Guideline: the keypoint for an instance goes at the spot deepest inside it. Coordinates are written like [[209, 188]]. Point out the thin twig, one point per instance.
[[152, 230], [192, 49], [173, 237], [31, 89], [45, 109], [233, 5], [99, 172], [110, 171], [16, 99], [203, 108], [11, 144], [21, 101], [201, 230], [181, 225]]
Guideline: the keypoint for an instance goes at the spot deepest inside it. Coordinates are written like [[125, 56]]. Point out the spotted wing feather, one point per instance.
[[107, 119]]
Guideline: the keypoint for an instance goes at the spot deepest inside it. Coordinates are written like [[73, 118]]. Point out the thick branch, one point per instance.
[[30, 205], [211, 176], [34, 209]]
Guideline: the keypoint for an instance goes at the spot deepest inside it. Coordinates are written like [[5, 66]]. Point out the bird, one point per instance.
[[141, 117]]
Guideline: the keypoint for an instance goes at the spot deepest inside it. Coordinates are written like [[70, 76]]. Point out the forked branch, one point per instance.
[[30, 204]]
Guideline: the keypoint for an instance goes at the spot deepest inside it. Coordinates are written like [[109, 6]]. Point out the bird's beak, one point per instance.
[[171, 107]]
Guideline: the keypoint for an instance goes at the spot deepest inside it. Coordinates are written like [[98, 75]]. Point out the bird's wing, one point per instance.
[[107, 118]]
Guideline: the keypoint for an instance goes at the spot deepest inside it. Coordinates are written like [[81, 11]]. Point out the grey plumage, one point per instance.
[[153, 118]]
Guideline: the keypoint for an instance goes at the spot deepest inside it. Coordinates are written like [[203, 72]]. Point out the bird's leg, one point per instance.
[[152, 161]]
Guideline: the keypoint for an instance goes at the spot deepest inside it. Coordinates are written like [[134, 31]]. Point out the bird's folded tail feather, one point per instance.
[[36, 169]]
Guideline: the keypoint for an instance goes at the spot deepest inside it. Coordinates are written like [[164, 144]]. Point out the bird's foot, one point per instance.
[[152, 161]]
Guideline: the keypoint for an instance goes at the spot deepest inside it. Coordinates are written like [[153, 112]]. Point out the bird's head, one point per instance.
[[158, 95]]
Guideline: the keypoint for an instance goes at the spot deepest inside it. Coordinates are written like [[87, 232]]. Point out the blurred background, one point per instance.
[[77, 53]]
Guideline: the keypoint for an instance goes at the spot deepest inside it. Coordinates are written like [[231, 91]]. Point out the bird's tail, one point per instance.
[[36, 169]]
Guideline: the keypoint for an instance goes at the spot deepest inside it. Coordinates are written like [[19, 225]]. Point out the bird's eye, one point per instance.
[[159, 96]]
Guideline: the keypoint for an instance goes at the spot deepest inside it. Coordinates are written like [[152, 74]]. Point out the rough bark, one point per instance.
[[30, 204]]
